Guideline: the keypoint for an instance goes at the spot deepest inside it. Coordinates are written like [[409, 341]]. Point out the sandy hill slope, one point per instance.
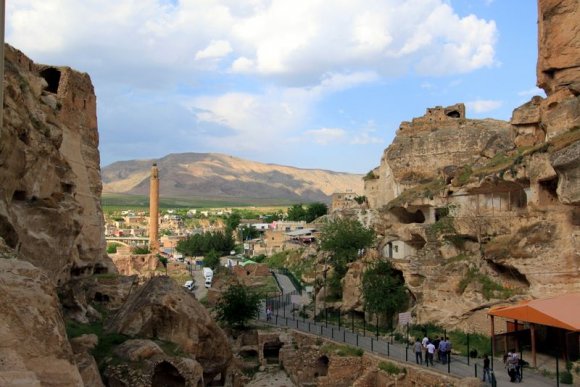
[[213, 175]]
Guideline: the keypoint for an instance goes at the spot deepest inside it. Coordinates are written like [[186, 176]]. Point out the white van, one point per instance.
[[190, 285]]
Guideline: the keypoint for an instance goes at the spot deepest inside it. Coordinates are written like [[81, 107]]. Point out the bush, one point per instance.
[[112, 248], [341, 350], [141, 250], [391, 368], [566, 377]]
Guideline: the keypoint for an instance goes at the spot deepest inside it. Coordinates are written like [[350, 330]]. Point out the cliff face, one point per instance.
[[50, 183], [474, 212]]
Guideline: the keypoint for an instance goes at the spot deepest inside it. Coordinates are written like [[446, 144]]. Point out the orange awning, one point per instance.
[[560, 312]]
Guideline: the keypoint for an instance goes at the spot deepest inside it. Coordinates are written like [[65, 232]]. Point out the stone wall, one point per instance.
[[50, 184]]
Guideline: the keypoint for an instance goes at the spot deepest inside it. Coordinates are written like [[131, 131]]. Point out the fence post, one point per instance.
[[377, 320], [364, 324], [296, 323], [332, 332], [344, 335], [475, 365], [388, 349], [557, 370], [308, 326], [448, 354], [468, 354], [339, 319], [352, 320], [356, 339], [406, 353], [372, 347]]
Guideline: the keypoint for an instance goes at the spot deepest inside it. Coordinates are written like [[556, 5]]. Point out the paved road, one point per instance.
[[282, 316]]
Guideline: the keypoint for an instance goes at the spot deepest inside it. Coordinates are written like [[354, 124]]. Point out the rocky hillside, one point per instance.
[[211, 175], [477, 212]]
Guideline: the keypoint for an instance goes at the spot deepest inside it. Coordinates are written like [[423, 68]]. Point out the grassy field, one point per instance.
[[123, 201]]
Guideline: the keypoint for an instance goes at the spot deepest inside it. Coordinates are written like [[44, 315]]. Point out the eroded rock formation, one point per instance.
[[34, 350], [50, 183], [473, 212]]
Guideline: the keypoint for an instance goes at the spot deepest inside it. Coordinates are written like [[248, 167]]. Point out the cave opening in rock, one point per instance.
[[8, 233], [407, 217], [321, 367], [52, 77], [417, 241], [100, 269], [547, 191], [271, 351], [453, 114], [165, 374], [249, 355], [100, 297], [509, 272], [19, 196]]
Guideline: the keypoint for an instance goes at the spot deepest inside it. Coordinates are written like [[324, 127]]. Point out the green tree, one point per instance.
[[163, 261], [112, 248], [296, 213], [344, 239], [248, 232], [212, 260], [201, 244], [238, 305], [233, 221], [315, 210], [383, 290]]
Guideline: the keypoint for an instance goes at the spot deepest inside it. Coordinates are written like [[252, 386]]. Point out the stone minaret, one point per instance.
[[154, 209]]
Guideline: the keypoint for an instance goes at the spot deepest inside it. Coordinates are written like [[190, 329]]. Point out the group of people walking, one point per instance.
[[428, 349], [513, 365]]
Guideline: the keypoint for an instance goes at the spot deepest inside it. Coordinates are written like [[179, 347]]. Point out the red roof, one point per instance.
[[560, 312]]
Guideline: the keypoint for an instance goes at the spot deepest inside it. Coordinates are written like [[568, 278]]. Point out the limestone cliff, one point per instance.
[[474, 212], [50, 183]]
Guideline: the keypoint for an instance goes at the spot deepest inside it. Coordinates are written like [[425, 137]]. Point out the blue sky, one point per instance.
[[307, 83]]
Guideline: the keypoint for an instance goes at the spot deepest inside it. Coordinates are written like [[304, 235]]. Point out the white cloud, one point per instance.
[[324, 136], [483, 105], [298, 41], [215, 50]]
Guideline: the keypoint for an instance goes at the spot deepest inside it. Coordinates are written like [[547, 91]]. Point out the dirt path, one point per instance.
[[273, 376]]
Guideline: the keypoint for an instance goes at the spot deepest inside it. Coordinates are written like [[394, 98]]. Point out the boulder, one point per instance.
[[142, 363], [163, 310]]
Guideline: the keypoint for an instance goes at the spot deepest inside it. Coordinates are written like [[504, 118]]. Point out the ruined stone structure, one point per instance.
[[50, 182], [482, 202]]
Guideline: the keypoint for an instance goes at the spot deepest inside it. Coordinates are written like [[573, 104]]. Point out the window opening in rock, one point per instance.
[[547, 191], [52, 77], [417, 241], [99, 269], [272, 351], [66, 187], [8, 233], [321, 368], [165, 374], [100, 297], [407, 217], [19, 196]]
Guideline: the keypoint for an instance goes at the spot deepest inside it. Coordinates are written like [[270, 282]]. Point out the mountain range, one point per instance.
[[223, 177]]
